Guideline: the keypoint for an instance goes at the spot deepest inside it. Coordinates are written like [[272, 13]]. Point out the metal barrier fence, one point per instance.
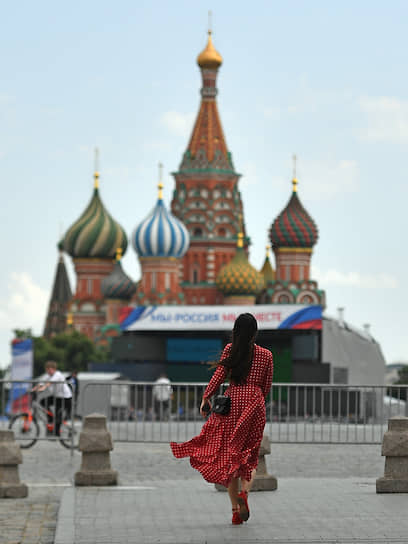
[[34, 415], [147, 412], [296, 413]]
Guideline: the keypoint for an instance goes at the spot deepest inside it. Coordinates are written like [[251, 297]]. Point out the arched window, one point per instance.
[[167, 280], [195, 275], [221, 232], [198, 232], [283, 299]]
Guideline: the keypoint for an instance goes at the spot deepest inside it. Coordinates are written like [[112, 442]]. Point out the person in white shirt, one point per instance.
[[59, 396], [162, 394]]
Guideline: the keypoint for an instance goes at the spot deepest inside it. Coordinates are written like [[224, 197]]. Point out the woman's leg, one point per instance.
[[233, 492], [245, 485]]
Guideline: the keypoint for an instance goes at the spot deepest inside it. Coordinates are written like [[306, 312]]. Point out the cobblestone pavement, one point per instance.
[[301, 510], [138, 464], [47, 462], [32, 520]]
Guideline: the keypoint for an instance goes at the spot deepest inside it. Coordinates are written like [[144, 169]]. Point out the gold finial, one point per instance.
[[160, 185], [70, 320], [119, 252], [294, 180], [96, 172], [209, 57], [268, 247], [240, 240]]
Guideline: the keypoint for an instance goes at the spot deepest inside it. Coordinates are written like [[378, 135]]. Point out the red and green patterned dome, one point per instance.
[[293, 227], [238, 277]]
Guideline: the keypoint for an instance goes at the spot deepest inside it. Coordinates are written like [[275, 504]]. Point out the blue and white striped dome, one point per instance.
[[160, 234]]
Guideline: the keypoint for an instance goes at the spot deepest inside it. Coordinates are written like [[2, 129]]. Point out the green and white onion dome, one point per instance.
[[95, 234]]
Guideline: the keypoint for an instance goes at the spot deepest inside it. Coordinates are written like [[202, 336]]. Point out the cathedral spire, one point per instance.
[[207, 149], [61, 295]]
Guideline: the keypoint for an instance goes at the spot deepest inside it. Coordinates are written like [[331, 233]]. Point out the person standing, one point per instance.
[[162, 394], [227, 448], [73, 383], [59, 395]]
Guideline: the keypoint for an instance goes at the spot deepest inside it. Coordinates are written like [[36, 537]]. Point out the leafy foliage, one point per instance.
[[395, 392], [70, 350], [403, 375]]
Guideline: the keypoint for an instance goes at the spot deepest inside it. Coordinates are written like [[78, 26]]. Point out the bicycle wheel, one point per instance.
[[70, 431], [25, 431]]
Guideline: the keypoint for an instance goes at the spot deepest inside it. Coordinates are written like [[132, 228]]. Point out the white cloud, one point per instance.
[[178, 123], [324, 179], [353, 279], [25, 305], [387, 119]]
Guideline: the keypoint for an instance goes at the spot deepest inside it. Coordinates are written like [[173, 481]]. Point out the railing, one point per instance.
[[295, 413], [38, 415]]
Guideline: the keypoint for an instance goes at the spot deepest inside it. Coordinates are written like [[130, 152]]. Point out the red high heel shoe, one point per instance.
[[243, 505], [236, 518]]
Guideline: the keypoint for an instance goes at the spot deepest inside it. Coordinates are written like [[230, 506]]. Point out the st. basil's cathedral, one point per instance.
[[195, 254]]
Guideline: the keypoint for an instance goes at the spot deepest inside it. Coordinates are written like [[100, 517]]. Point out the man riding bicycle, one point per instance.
[[59, 395]]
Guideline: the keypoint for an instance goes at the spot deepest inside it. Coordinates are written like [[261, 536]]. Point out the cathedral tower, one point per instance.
[[206, 197], [92, 242], [293, 235], [160, 241], [56, 320]]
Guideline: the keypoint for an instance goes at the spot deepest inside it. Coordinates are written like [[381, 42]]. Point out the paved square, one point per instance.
[[301, 510]]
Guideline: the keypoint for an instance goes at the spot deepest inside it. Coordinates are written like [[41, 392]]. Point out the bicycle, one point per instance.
[[26, 426]]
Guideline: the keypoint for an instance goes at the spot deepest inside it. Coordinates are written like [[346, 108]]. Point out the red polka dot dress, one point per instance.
[[228, 446]]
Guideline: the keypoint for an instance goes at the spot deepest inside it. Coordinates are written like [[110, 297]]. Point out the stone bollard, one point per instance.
[[10, 458], [95, 443], [395, 450], [262, 481]]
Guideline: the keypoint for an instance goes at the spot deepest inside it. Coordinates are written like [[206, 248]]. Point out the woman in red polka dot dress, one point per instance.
[[227, 448]]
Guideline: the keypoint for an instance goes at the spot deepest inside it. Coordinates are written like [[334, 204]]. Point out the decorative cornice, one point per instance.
[[278, 249]]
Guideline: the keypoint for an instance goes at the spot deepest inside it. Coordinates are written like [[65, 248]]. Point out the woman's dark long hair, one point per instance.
[[239, 360]]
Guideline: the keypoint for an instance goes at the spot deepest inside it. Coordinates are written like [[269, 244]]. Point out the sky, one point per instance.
[[324, 80]]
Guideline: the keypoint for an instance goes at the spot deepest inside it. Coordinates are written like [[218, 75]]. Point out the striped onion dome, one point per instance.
[[238, 277], [118, 284], [160, 234], [293, 227], [95, 233]]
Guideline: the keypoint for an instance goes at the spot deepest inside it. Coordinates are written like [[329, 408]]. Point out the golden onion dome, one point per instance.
[[209, 57], [238, 277]]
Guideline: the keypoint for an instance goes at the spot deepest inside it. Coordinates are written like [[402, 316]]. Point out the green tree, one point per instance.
[[70, 350], [403, 375], [23, 333], [402, 380]]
